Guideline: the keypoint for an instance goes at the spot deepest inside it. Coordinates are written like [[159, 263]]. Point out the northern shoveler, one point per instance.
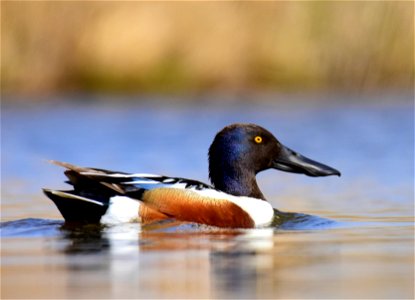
[[237, 154]]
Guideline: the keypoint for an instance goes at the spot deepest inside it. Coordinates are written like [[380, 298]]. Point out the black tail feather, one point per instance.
[[89, 199], [75, 208]]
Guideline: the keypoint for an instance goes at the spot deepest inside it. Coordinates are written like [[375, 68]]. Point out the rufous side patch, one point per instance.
[[149, 215], [187, 205]]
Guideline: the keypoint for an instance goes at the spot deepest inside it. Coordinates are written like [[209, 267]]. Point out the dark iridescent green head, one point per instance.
[[240, 151]]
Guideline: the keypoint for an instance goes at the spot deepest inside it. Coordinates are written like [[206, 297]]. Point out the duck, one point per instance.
[[233, 199]]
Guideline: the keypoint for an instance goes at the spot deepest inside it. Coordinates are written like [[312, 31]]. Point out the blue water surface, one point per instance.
[[360, 234]]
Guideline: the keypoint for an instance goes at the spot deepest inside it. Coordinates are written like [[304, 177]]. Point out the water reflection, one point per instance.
[[83, 239], [184, 260], [221, 259], [209, 261]]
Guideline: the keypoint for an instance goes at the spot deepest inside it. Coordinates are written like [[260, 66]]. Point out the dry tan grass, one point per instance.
[[193, 46]]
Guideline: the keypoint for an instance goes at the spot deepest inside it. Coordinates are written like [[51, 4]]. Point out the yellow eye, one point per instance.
[[258, 139]]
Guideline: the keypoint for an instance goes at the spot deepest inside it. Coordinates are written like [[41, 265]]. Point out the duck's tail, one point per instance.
[[88, 201], [75, 208]]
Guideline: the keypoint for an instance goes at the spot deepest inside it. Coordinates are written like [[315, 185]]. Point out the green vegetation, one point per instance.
[[197, 46]]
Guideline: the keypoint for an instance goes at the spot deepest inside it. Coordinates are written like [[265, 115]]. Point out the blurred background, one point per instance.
[[194, 47]]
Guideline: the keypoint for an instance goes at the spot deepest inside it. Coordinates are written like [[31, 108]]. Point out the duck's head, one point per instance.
[[240, 151]]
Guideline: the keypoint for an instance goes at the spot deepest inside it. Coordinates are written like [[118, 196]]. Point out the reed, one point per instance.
[[198, 46]]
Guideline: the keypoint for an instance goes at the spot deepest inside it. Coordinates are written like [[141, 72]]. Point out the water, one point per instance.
[[364, 251]]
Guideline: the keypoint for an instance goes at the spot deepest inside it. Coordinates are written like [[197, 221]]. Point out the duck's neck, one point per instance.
[[236, 182]]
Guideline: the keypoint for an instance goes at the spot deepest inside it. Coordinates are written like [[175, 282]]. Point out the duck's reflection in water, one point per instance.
[[165, 259], [228, 266], [174, 259]]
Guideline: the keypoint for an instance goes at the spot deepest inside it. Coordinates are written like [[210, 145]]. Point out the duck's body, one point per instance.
[[160, 197], [236, 155]]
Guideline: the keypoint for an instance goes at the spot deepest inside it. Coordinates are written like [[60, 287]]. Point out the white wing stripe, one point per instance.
[[118, 175], [169, 180], [142, 182]]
